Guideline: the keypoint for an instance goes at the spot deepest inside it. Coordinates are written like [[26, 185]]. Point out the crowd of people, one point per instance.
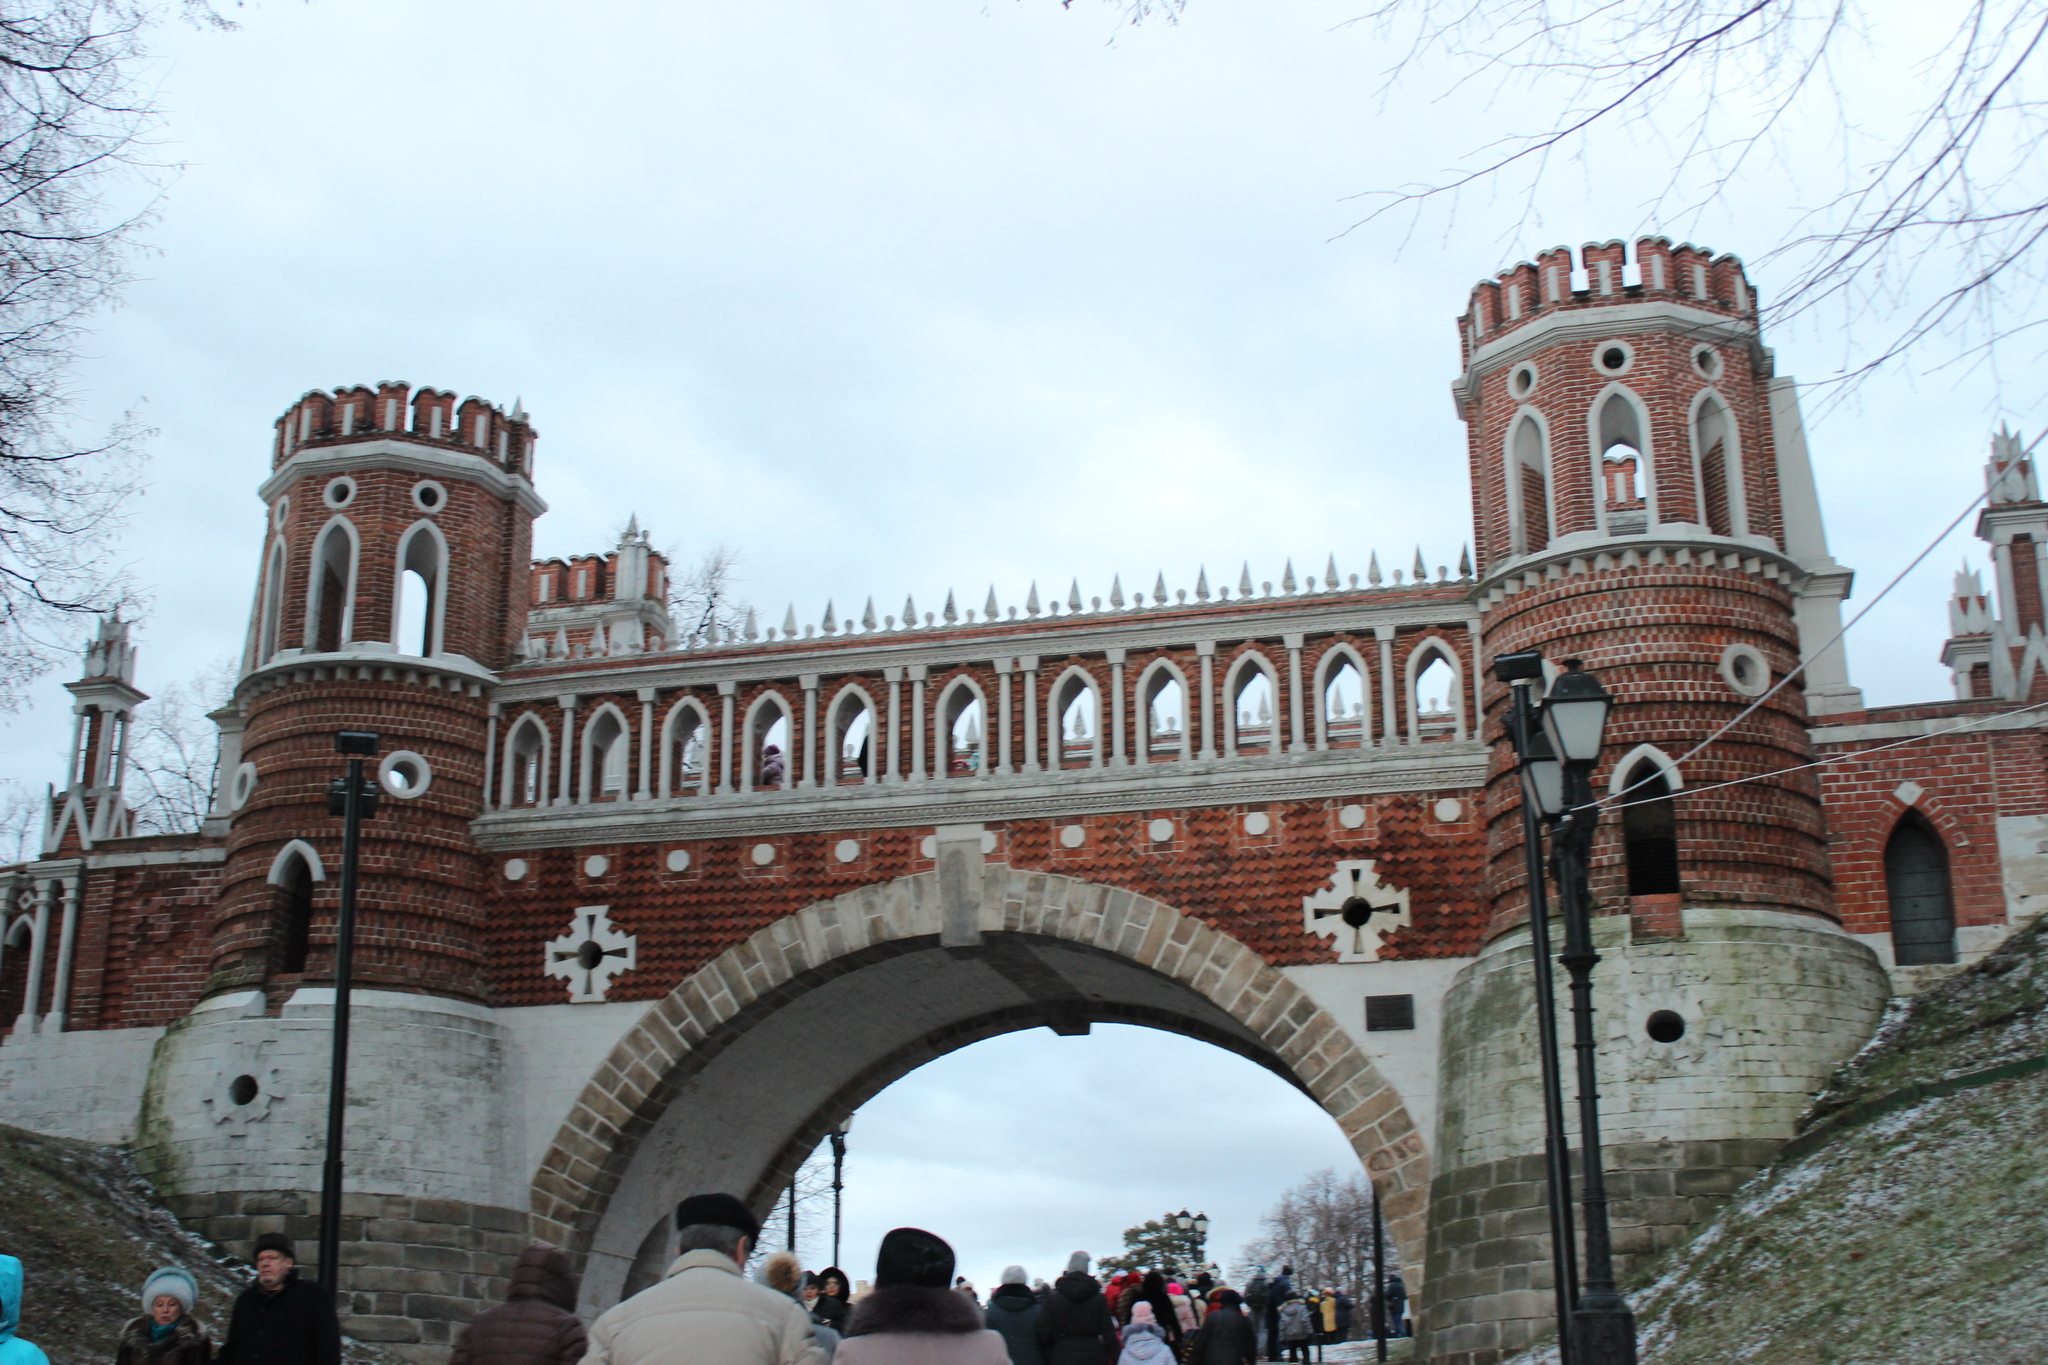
[[707, 1311]]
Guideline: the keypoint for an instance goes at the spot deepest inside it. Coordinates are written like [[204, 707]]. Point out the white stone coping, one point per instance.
[[1596, 322], [1581, 552], [1449, 765], [1926, 726], [308, 998], [384, 452], [367, 654], [163, 857]]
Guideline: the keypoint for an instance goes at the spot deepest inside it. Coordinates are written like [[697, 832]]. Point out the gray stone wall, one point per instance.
[[413, 1270]]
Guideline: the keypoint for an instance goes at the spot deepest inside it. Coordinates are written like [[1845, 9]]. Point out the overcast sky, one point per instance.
[[909, 296]]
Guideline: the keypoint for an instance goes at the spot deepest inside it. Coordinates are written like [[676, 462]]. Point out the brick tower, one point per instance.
[[1642, 501], [393, 589], [400, 530]]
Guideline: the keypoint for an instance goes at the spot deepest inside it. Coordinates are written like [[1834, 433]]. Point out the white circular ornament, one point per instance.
[[1073, 836], [1352, 817], [1258, 822], [596, 865], [1449, 810], [846, 850], [515, 869], [1160, 830], [679, 860], [763, 854]]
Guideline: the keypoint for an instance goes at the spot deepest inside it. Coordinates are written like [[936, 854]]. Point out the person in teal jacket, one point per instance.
[[13, 1350]]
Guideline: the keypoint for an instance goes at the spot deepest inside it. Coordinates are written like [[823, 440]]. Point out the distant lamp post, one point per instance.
[[1185, 1221], [838, 1137], [354, 799]]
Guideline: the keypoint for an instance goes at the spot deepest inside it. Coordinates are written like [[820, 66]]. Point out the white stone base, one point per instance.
[[84, 1085]]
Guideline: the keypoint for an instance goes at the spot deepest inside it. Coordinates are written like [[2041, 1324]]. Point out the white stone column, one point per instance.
[[1293, 643], [726, 691], [646, 791], [894, 677], [566, 788], [1207, 649], [918, 673], [1117, 757], [1029, 663], [1003, 670], [67, 950], [809, 683], [490, 756], [32, 994], [1385, 635], [1477, 729]]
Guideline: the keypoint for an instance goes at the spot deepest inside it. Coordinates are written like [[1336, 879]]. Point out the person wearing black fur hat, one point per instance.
[[914, 1317], [1076, 1327], [281, 1319], [706, 1311], [834, 1290]]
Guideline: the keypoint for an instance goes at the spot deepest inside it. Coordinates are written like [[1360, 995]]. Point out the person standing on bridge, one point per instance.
[[705, 1311], [1076, 1326], [537, 1323], [916, 1316], [281, 1319]]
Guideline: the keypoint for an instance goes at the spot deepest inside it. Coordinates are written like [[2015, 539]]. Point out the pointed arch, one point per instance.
[[422, 550], [270, 609], [842, 714], [293, 872], [331, 587], [1617, 781], [1157, 676], [754, 731], [297, 848], [1071, 683], [1919, 896], [1235, 681], [1618, 416], [529, 748], [1327, 667], [959, 693], [1717, 464], [685, 729], [1426, 652], [605, 757], [1649, 826], [1525, 467]]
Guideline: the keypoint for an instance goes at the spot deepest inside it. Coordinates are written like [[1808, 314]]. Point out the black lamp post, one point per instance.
[[1543, 795], [1575, 719], [838, 1136], [354, 799]]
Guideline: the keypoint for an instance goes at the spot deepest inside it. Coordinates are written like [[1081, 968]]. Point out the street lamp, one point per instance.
[[838, 1136], [1543, 795], [354, 799], [1575, 719]]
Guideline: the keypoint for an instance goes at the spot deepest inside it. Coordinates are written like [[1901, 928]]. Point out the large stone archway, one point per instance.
[[740, 1070]]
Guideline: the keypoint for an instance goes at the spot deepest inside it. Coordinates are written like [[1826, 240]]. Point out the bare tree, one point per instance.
[[23, 814], [1323, 1228], [811, 1212], [705, 601], [174, 752], [1930, 229], [72, 130]]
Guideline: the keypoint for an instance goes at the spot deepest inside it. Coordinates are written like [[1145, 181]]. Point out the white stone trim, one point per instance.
[[408, 457], [297, 848]]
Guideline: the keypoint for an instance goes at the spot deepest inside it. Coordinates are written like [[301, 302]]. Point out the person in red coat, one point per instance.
[[537, 1323]]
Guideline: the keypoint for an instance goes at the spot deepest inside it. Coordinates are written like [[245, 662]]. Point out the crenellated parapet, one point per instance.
[[393, 410]]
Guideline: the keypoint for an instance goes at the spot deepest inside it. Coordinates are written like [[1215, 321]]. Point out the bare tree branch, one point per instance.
[[174, 752]]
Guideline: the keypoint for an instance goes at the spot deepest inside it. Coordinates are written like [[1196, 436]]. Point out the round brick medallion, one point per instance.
[[846, 850], [1258, 822], [1448, 811], [1352, 817], [515, 869]]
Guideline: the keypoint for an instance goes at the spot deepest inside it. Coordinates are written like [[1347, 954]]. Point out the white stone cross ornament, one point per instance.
[[1356, 910], [591, 954]]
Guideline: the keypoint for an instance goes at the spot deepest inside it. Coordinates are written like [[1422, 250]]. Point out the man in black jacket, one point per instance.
[[281, 1319], [1075, 1327]]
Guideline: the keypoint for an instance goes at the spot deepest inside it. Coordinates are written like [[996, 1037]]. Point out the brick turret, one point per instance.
[[394, 586]]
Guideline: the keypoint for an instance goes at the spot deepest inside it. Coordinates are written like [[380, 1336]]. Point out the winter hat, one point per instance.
[[912, 1256], [719, 1211], [1174, 1288], [1013, 1274], [175, 1281], [1077, 1264], [1141, 1312], [275, 1241]]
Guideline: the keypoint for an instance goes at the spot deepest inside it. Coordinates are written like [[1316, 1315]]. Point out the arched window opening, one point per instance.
[[294, 917], [1436, 700], [606, 751], [1710, 437], [332, 587], [1344, 706], [1649, 831], [1080, 722], [1253, 706], [853, 728], [1532, 487], [1166, 709], [524, 780], [1623, 482], [1916, 882], [686, 752], [769, 740], [416, 631], [14, 969], [962, 723], [267, 633]]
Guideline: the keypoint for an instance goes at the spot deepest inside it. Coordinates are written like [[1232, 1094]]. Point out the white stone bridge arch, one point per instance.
[[735, 1075]]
